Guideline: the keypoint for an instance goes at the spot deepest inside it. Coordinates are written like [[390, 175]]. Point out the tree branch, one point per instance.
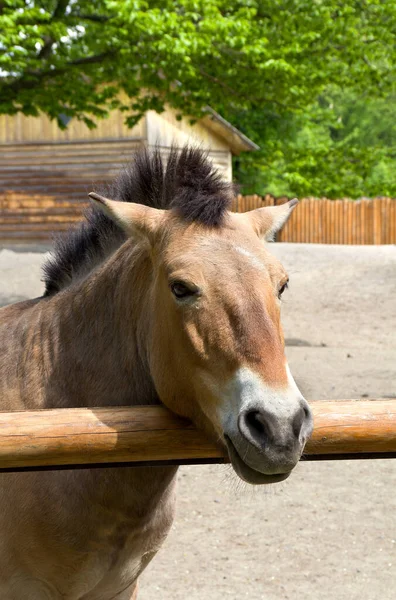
[[37, 77], [93, 18], [219, 82], [60, 9], [46, 48], [92, 59], [49, 41]]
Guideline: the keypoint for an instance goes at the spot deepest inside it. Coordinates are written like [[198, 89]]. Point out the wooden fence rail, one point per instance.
[[77, 437], [36, 217]]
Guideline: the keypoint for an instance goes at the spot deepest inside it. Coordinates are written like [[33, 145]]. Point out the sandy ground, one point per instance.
[[329, 531]]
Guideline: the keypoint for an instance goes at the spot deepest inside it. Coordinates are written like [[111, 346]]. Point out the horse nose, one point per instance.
[[263, 428], [303, 422]]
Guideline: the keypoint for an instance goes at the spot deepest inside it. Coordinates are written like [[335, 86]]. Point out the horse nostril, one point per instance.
[[254, 423], [265, 429], [254, 427], [299, 420], [302, 429]]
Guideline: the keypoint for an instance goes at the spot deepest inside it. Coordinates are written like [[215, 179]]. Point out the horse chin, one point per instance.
[[249, 474]]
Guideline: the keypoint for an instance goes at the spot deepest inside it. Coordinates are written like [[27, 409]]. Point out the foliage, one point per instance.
[[343, 145], [261, 63]]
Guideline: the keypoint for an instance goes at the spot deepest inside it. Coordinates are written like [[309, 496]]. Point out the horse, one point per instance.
[[160, 295]]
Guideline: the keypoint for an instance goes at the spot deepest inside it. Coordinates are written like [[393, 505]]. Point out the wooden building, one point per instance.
[[46, 173]]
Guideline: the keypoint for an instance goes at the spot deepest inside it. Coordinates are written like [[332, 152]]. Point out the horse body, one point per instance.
[[79, 534], [171, 298]]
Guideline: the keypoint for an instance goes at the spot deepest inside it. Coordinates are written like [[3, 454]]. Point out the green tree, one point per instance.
[[342, 145], [261, 63]]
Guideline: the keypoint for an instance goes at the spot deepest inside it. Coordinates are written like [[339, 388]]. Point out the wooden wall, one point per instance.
[[167, 130], [46, 173], [45, 186], [19, 129]]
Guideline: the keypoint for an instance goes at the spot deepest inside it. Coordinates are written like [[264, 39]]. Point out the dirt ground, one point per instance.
[[329, 531]]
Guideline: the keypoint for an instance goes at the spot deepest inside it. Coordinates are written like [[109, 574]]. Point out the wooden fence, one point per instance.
[[324, 221], [25, 217], [116, 436]]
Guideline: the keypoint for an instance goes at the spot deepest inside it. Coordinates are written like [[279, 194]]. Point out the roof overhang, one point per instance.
[[237, 141]]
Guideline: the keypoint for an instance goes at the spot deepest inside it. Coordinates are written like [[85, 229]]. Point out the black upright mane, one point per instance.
[[185, 181]]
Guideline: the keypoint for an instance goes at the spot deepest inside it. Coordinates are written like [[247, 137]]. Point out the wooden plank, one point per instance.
[[369, 223], [44, 204], [37, 227], [330, 227], [290, 236], [336, 239], [15, 153], [341, 221], [318, 231], [312, 220], [82, 436], [306, 233], [41, 211], [336, 222], [351, 224], [322, 220], [302, 223], [27, 236], [357, 217], [304, 230], [56, 158], [66, 144], [27, 220], [386, 221], [296, 237], [69, 164], [377, 221], [328, 209], [380, 232], [319, 223], [363, 221]]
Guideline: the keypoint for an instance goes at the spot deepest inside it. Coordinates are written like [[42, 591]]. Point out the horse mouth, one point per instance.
[[246, 472]]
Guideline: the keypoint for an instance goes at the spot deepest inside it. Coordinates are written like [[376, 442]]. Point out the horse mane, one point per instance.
[[185, 181]]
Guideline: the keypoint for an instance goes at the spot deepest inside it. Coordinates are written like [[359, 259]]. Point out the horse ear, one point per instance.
[[268, 220], [134, 219]]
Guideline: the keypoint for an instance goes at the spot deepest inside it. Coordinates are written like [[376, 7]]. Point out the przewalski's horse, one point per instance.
[[160, 296]]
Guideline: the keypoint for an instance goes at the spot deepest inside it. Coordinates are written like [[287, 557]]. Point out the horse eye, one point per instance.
[[181, 290], [282, 289]]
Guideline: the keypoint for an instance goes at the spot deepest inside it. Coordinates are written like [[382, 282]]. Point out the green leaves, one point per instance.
[[263, 64], [343, 145]]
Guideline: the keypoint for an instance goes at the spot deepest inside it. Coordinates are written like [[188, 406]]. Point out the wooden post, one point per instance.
[[138, 435]]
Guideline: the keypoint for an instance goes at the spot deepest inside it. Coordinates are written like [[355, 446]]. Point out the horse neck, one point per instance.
[[100, 335]]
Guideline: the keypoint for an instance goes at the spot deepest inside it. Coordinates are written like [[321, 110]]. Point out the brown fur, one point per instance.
[[116, 336]]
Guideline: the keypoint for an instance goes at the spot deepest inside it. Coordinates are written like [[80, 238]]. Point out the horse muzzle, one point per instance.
[[265, 445]]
